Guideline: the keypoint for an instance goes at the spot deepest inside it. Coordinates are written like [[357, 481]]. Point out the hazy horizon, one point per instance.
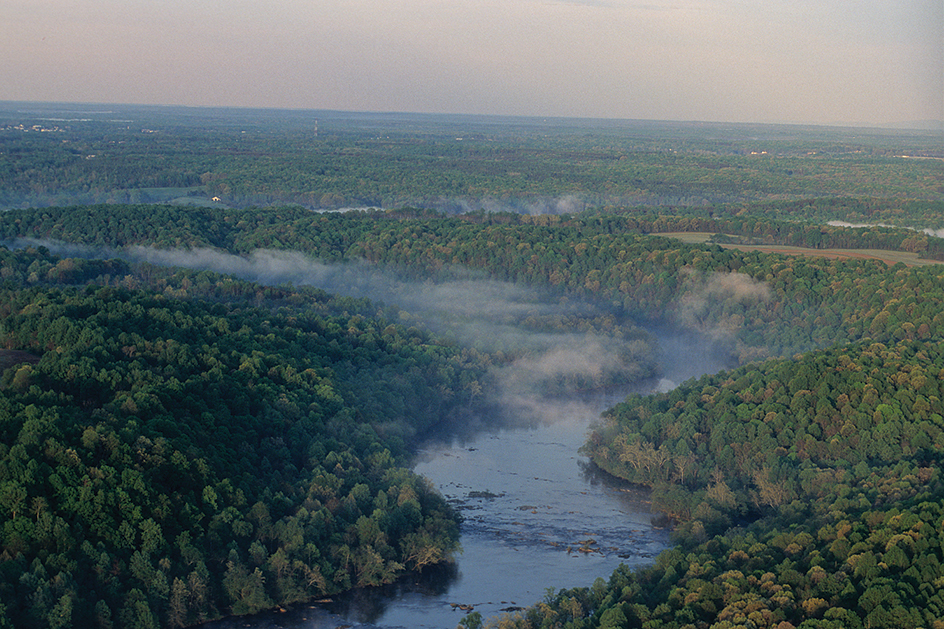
[[869, 63], [925, 125]]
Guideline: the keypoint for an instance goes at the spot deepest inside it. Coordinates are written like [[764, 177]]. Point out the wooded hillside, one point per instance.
[[195, 444], [166, 460]]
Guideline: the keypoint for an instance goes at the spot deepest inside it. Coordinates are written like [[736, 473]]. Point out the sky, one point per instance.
[[791, 61]]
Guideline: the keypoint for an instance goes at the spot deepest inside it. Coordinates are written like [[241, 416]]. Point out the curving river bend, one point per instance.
[[537, 515]]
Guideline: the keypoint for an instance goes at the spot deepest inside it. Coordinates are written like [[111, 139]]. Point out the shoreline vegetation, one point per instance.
[[193, 444], [166, 461], [762, 305]]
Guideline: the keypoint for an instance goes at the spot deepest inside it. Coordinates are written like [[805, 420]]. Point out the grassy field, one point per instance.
[[889, 257]]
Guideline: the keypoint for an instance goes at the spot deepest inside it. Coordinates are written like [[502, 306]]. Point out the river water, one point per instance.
[[537, 516]]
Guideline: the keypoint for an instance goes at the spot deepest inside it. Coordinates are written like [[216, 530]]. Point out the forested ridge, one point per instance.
[[827, 466], [237, 231], [762, 304], [168, 459], [806, 487], [193, 444]]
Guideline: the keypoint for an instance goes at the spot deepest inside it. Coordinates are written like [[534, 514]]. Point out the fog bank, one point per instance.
[[543, 355], [937, 233]]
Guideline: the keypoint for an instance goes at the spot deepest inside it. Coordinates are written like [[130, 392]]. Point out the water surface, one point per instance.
[[537, 516]]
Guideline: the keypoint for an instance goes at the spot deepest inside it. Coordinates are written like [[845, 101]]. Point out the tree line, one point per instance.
[[267, 158], [806, 487], [164, 460]]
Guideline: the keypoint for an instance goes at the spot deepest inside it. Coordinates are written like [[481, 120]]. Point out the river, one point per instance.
[[537, 516]]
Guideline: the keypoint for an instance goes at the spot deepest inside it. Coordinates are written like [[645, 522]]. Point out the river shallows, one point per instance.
[[537, 516]]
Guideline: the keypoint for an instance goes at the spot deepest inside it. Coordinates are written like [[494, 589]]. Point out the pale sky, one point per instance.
[[797, 61]]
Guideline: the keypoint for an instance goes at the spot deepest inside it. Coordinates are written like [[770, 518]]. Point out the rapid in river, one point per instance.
[[537, 515]]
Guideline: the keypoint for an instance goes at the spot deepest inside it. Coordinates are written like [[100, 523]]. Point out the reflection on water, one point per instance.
[[537, 516]]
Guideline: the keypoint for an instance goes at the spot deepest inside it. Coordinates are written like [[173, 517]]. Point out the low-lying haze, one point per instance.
[[546, 357]]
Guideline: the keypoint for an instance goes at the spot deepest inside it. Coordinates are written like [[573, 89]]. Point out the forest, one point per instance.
[[205, 445], [59, 155], [199, 456]]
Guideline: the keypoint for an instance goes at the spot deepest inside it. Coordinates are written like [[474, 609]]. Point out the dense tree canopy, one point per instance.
[[826, 464], [167, 460], [178, 444], [333, 160], [829, 465]]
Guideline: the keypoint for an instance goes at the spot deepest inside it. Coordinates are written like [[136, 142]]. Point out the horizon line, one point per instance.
[[929, 125]]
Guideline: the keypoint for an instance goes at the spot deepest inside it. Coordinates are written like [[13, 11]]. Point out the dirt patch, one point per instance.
[[888, 257]]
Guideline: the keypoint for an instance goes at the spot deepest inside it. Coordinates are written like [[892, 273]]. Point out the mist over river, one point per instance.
[[537, 516]]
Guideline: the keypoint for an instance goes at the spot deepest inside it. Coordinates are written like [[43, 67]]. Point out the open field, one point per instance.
[[889, 257]]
